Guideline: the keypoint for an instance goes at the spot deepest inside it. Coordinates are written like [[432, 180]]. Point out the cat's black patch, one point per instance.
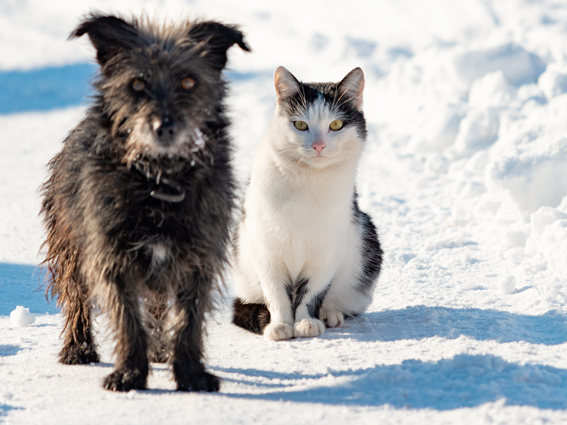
[[308, 93], [371, 249], [252, 317], [314, 306], [297, 292]]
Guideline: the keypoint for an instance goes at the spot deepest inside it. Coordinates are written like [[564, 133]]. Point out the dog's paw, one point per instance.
[[278, 332], [79, 354], [308, 327], [333, 319], [201, 381], [125, 380]]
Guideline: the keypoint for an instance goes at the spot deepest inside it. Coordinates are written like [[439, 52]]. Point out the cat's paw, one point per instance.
[[278, 332], [308, 327], [333, 319]]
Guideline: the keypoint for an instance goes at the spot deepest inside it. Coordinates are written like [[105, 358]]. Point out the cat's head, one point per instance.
[[320, 124]]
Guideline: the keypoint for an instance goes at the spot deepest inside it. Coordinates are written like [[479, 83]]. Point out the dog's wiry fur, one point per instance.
[[139, 201]]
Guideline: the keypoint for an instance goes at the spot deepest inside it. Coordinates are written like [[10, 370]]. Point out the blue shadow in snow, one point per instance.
[[23, 285], [419, 322], [8, 350], [463, 381], [65, 86], [4, 409], [46, 88]]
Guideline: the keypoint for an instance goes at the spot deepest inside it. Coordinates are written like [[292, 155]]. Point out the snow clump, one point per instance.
[[21, 317]]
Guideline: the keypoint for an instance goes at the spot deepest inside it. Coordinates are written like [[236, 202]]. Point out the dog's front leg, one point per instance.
[[188, 368], [131, 370]]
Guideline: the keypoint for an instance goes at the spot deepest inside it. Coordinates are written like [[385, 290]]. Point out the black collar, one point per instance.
[[144, 168]]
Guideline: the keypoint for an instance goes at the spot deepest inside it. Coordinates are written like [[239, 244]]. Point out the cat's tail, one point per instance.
[[252, 317]]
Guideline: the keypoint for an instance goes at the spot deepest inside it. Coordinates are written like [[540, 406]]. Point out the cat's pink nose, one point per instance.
[[319, 146]]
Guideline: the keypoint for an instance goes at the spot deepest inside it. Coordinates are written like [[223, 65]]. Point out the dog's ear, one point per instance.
[[217, 39], [108, 34]]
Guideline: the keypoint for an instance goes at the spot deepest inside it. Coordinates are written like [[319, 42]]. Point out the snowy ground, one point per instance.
[[463, 174]]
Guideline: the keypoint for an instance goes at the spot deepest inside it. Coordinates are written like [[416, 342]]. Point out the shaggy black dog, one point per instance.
[[139, 201]]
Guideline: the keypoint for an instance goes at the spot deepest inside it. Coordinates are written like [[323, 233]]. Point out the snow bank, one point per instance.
[[499, 135], [553, 81], [518, 65], [549, 236], [530, 177]]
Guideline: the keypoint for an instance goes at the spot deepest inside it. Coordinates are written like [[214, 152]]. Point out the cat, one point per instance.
[[304, 254]]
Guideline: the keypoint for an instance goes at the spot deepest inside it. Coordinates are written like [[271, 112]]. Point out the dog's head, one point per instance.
[[160, 85]]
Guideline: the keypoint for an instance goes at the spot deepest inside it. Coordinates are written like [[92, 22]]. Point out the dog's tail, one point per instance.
[[252, 317]]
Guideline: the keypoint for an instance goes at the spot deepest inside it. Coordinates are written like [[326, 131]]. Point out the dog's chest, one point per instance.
[[159, 253]]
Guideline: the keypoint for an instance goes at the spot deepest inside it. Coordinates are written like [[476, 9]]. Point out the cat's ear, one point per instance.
[[108, 34], [352, 87], [286, 84]]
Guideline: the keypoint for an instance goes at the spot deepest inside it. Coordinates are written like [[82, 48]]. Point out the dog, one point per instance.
[[139, 202]]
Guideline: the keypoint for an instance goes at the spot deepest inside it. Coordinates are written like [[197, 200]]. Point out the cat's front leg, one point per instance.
[[307, 319], [279, 305]]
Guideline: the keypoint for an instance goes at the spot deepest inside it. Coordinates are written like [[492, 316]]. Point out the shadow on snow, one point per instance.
[[8, 350], [4, 409], [64, 86], [463, 381], [419, 322], [45, 89], [22, 285]]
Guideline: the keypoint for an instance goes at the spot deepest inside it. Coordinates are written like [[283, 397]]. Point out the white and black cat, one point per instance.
[[304, 253]]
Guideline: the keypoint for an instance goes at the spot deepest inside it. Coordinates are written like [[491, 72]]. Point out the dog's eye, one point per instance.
[[138, 85], [336, 125], [300, 125], [187, 83]]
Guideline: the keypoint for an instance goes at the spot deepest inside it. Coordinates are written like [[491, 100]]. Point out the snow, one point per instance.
[[21, 317], [507, 284], [512, 61], [463, 175]]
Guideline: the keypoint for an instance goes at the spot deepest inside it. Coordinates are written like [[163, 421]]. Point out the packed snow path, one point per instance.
[[466, 104]]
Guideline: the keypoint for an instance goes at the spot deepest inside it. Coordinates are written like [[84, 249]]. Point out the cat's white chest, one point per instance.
[[301, 219]]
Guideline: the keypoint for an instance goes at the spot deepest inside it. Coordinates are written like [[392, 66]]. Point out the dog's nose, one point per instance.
[[165, 131]]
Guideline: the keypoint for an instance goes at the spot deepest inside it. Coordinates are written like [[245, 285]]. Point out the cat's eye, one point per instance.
[[138, 85], [336, 125], [300, 125], [187, 83]]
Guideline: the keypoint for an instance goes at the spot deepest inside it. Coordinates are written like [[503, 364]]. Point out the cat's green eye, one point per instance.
[[300, 125], [336, 125]]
